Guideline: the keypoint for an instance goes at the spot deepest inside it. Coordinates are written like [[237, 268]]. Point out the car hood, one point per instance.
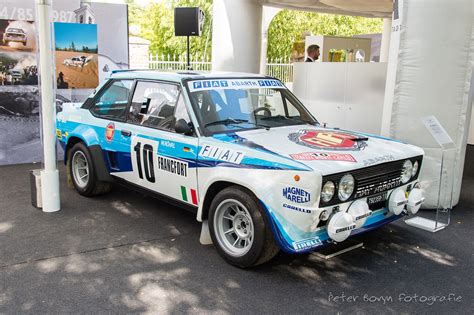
[[326, 150]]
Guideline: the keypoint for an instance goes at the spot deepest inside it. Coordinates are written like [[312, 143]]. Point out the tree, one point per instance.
[[288, 27], [156, 22]]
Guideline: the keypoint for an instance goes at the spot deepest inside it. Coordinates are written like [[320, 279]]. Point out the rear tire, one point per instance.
[[81, 170], [240, 229]]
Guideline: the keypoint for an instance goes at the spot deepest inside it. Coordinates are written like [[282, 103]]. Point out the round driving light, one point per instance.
[[406, 171], [415, 199], [346, 187], [397, 201], [415, 169], [360, 211], [324, 215], [328, 191], [340, 226]]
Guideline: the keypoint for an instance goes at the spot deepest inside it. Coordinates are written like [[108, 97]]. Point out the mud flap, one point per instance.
[[205, 238]]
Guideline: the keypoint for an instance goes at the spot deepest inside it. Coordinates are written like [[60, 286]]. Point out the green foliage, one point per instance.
[[289, 27], [156, 22]]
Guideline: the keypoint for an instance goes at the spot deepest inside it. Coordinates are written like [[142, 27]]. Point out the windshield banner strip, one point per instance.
[[232, 84]]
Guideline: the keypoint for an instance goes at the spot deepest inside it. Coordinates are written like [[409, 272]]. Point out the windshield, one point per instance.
[[226, 105]]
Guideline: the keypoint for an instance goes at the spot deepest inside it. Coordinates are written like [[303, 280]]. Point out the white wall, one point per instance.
[[139, 52], [347, 95], [433, 77]]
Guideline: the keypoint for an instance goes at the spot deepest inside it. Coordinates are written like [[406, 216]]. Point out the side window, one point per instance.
[[181, 112], [113, 101], [153, 104]]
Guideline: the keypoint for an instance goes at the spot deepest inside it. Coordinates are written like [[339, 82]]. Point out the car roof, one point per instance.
[[178, 76]]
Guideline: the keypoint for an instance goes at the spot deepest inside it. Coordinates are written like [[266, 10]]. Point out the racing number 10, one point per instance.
[[147, 161]]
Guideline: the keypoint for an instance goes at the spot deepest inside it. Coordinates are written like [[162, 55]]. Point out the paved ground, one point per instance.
[[126, 253]]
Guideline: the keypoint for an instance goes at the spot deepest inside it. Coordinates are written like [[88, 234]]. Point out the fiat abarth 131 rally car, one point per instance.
[[245, 154]]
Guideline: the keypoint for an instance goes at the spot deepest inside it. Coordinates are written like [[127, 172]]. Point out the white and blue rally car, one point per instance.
[[245, 154]]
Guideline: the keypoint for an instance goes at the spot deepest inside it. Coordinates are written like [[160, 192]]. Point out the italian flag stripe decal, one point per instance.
[[186, 193]]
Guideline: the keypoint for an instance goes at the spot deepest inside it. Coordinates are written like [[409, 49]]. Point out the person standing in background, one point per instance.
[[313, 53], [9, 79]]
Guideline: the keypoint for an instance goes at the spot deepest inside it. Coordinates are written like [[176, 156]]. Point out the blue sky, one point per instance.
[[80, 34]]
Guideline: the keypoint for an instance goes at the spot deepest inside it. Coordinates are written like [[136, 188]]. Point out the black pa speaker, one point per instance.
[[188, 21]]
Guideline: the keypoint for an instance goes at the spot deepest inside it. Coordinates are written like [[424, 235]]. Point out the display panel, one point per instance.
[[92, 40]]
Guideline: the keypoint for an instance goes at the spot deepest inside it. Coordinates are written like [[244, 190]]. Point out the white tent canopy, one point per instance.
[[367, 8]]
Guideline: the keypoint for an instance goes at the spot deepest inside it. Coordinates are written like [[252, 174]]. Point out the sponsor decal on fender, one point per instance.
[[59, 135], [109, 132], [221, 154], [297, 195], [313, 156], [328, 140], [173, 166], [307, 244], [167, 144], [291, 207]]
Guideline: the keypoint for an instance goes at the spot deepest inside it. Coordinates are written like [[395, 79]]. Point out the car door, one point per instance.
[[162, 160], [109, 109]]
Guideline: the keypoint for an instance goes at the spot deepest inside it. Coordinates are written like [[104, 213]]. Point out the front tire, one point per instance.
[[239, 228], [82, 172]]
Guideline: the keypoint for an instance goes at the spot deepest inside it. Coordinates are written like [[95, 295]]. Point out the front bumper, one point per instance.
[[321, 238], [293, 240]]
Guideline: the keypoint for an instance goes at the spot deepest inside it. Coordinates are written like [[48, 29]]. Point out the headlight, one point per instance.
[[406, 171], [415, 169], [328, 191], [346, 187]]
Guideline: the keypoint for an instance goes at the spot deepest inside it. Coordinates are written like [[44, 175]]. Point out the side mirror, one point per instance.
[[181, 126]]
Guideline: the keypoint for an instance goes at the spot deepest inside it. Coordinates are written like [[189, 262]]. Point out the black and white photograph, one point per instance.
[[18, 68]]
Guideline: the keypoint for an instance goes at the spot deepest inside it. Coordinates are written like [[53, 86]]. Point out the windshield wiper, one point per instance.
[[274, 117], [227, 121], [287, 118]]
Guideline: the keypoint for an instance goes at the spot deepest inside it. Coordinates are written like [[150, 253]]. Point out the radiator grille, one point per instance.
[[372, 180]]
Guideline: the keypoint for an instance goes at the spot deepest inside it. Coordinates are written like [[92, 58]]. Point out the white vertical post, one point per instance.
[[268, 14], [385, 45], [236, 35], [50, 174]]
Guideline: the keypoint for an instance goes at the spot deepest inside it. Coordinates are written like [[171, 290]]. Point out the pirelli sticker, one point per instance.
[[173, 166]]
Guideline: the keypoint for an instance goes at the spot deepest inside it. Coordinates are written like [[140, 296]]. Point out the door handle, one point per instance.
[[126, 133]]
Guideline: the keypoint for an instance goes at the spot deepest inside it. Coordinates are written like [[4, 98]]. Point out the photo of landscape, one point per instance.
[[76, 55]]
